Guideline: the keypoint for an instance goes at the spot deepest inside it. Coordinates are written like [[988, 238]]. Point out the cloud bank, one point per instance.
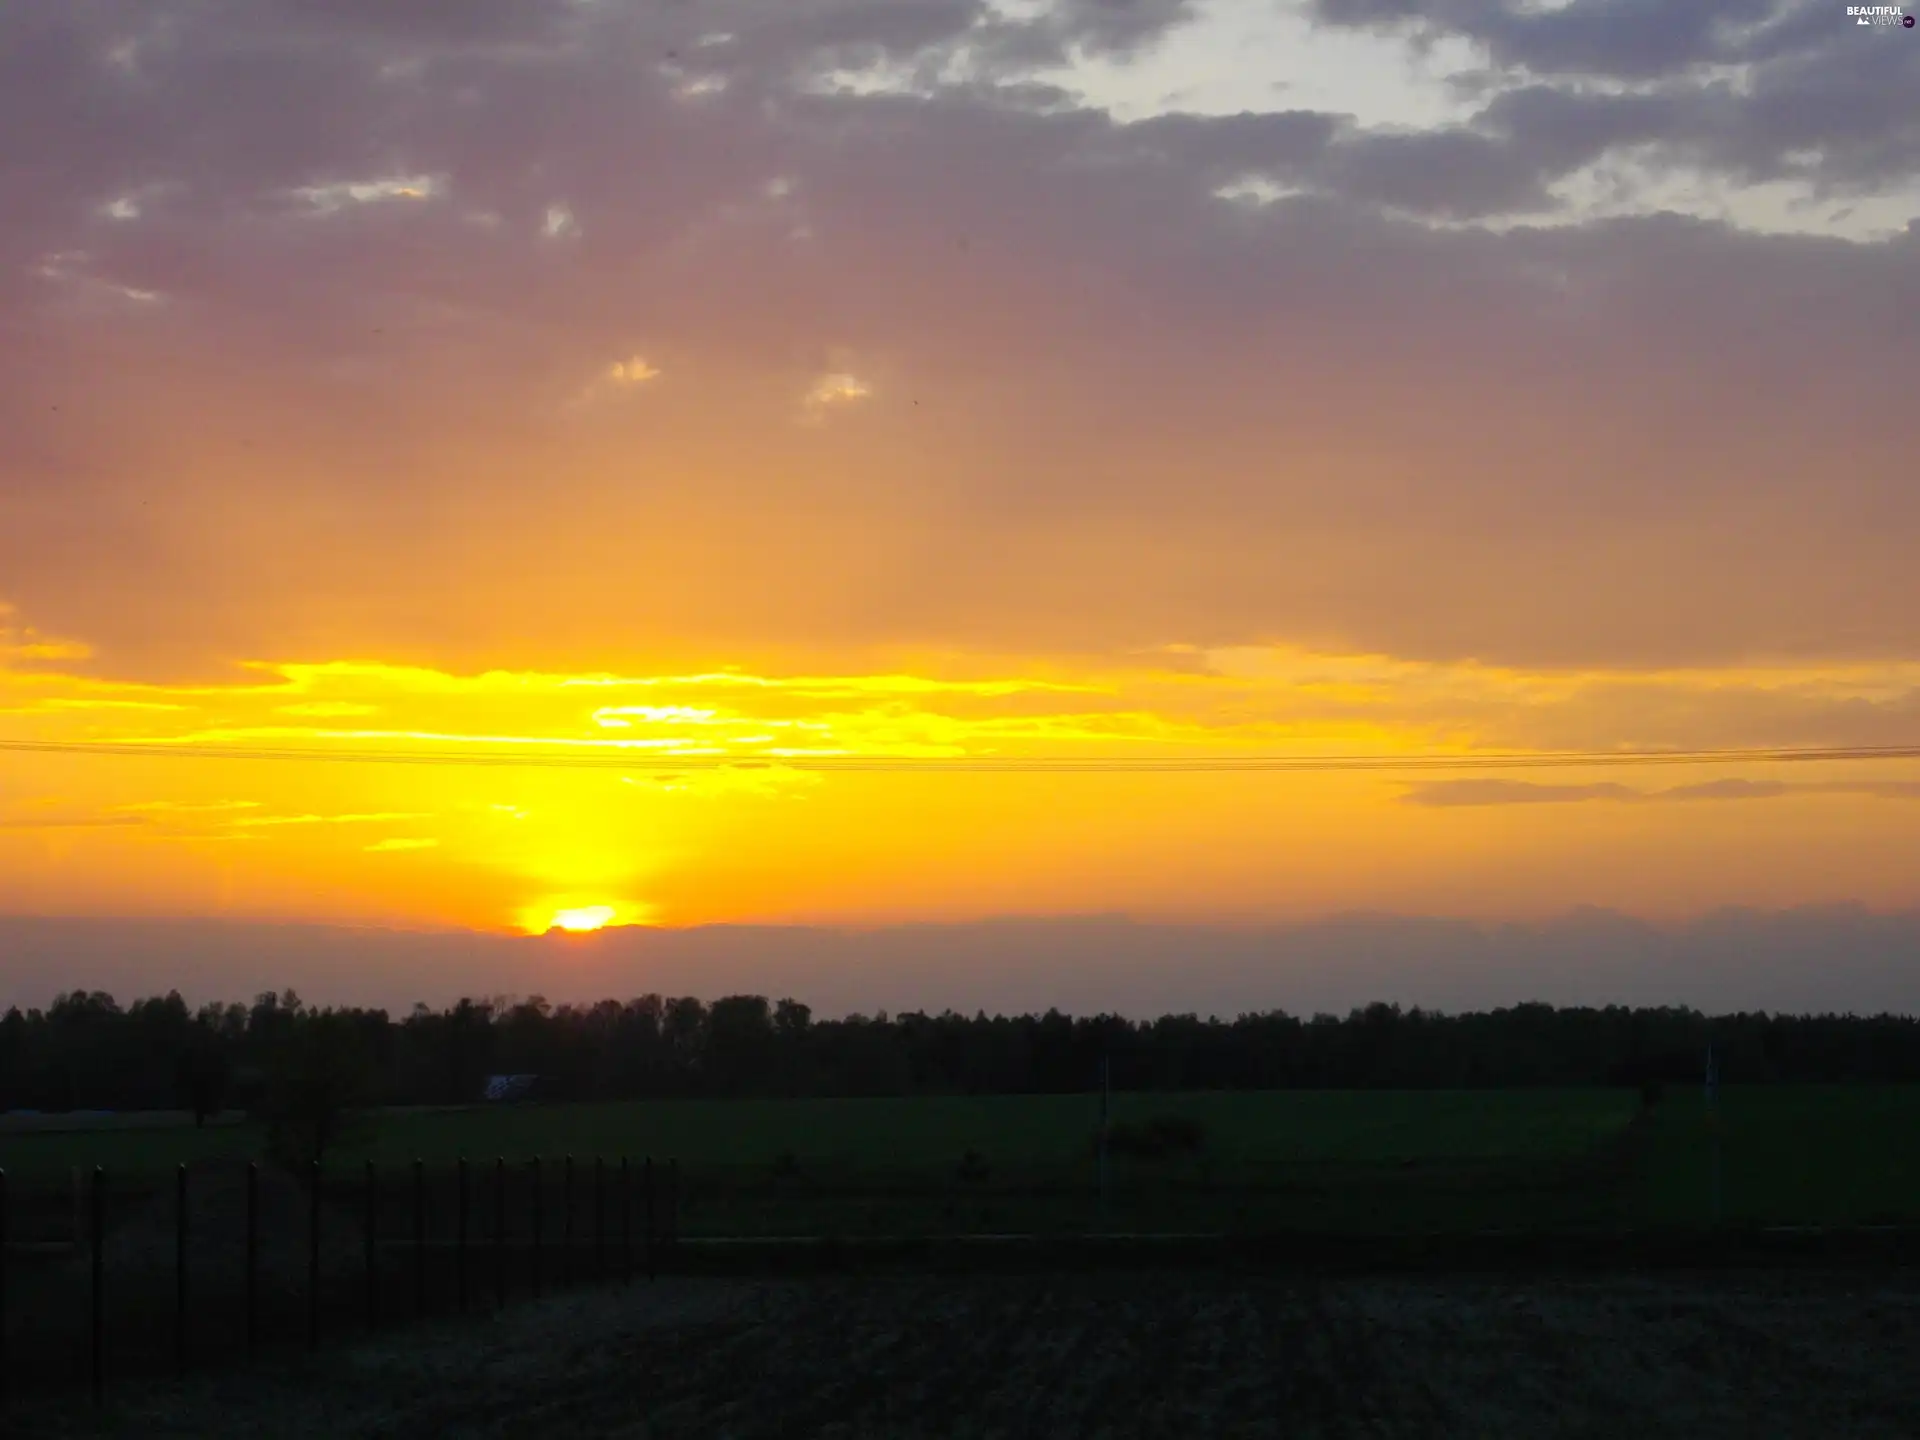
[[302, 294]]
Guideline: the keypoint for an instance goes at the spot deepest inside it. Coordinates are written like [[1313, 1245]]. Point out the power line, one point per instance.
[[989, 764]]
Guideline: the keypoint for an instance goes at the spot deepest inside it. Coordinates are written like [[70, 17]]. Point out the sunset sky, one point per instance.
[[938, 378]]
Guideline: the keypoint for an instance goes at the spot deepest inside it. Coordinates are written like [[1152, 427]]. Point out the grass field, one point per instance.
[[1362, 1160], [1789, 1155], [1248, 1132], [92, 1122], [1356, 1160]]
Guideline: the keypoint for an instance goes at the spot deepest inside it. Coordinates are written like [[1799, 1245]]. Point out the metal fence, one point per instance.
[[139, 1275]]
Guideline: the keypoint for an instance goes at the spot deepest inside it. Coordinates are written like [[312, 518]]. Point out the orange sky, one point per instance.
[[551, 379], [512, 846]]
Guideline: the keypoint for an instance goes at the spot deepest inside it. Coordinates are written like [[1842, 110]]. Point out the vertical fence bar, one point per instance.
[[372, 1204], [419, 1237], [673, 1206], [599, 1219], [652, 1231], [460, 1240], [539, 1222], [313, 1256], [1719, 1142], [566, 1224], [500, 1231], [252, 1259], [99, 1318], [1106, 1107], [180, 1356], [3, 1289], [626, 1222]]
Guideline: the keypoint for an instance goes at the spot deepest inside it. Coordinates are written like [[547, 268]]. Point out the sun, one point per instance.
[[568, 911], [587, 917]]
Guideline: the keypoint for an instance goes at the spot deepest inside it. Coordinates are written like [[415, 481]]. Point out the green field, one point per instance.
[[1351, 1160], [894, 1137], [1788, 1155]]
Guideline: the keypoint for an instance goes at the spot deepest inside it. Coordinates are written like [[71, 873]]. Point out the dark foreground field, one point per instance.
[[1148, 1355]]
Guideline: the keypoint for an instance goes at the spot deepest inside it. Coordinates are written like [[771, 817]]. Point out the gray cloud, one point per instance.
[[437, 22], [1751, 90], [1450, 174], [1845, 121], [1120, 26], [1739, 790], [1287, 142], [1513, 792], [1623, 39], [1145, 414], [1444, 793]]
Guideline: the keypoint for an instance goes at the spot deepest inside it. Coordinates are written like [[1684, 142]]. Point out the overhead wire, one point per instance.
[[656, 762]]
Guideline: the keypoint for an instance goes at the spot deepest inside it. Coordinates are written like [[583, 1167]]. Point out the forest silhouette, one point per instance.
[[88, 1052]]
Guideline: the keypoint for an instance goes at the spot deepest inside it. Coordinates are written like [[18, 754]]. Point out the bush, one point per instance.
[[1158, 1137]]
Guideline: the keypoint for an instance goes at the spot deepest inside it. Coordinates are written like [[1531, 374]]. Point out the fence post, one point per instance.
[[419, 1237], [460, 1240], [372, 1203], [313, 1256], [500, 1231], [626, 1223], [180, 1269], [252, 1261], [599, 1219], [652, 1232], [99, 1237], [566, 1225], [539, 1222]]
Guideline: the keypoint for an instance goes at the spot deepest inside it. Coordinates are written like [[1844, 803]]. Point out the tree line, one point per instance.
[[87, 1052]]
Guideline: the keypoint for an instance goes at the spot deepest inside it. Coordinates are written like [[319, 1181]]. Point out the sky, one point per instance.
[[548, 380]]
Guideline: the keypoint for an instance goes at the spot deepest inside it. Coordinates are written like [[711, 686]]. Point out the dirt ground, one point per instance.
[[1173, 1355]]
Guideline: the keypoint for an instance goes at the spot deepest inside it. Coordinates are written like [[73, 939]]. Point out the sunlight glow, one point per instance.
[[542, 845], [587, 917]]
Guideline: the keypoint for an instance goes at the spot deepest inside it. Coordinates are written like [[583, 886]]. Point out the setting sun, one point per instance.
[[587, 917]]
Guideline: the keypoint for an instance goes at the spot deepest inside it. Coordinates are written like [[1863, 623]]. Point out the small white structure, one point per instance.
[[508, 1087]]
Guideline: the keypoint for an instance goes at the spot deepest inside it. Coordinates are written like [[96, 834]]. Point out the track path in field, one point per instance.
[[1142, 1355]]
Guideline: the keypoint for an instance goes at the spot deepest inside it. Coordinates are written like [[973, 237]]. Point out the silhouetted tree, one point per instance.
[[317, 1081], [308, 1069], [204, 1073]]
